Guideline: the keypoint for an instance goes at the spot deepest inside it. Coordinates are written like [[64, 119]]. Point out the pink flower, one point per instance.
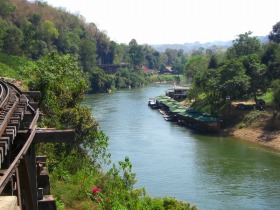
[[81, 185], [95, 190], [98, 199]]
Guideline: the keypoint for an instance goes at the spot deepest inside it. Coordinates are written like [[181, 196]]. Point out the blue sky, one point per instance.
[[176, 21]]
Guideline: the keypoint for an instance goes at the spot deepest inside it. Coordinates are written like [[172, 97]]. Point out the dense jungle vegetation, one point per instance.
[[60, 54]]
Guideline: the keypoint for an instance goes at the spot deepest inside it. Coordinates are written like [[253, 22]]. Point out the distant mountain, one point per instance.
[[189, 47]]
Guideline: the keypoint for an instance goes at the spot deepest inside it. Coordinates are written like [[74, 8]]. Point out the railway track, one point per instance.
[[23, 176]]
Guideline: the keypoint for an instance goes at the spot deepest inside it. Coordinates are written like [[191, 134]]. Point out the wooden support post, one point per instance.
[[18, 189], [27, 185]]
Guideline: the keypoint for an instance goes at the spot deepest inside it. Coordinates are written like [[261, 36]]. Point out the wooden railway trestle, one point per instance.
[[24, 181]]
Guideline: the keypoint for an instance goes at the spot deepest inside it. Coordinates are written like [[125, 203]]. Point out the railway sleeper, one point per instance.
[[4, 145], [10, 135], [21, 109], [15, 117], [1, 156], [15, 123], [19, 114], [11, 130], [22, 106], [6, 140], [12, 127]]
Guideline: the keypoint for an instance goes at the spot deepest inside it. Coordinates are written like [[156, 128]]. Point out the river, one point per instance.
[[210, 171]]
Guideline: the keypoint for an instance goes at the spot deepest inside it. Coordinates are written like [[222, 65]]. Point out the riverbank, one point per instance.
[[266, 138]]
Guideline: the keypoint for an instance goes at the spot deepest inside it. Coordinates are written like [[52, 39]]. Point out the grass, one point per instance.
[[268, 97], [10, 66]]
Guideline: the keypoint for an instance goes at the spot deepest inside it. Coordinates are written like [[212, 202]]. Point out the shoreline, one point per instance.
[[269, 139]]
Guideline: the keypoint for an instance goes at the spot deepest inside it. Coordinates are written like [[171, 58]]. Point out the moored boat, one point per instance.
[[152, 103]]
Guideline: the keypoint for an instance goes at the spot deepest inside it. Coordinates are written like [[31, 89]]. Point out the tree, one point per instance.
[[103, 46], [29, 32], [195, 64], [208, 82], [13, 40], [276, 95], [171, 56], [136, 54], [244, 45], [72, 41], [61, 81], [271, 58], [98, 80], [213, 63], [49, 32], [200, 51], [256, 71], [151, 57], [233, 79], [6, 8], [121, 55], [274, 35], [3, 25], [87, 53]]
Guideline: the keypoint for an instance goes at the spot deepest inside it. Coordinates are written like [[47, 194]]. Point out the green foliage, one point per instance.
[[256, 71], [136, 54], [152, 57], [48, 32], [6, 8], [271, 58], [115, 190], [6, 71], [100, 82], [11, 66], [276, 93], [202, 106], [274, 35], [87, 53], [268, 97], [244, 45], [234, 82], [195, 64], [60, 80], [125, 78], [251, 118], [12, 40], [3, 26]]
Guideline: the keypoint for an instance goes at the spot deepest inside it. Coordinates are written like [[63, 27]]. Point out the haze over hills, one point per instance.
[[189, 47]]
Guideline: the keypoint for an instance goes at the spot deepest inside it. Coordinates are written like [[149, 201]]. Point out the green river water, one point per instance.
[[210, 171]]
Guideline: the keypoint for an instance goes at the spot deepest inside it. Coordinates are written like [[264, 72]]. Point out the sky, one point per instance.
[[176, 21]]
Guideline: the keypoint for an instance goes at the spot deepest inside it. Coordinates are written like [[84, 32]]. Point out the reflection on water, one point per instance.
[[210, 171]]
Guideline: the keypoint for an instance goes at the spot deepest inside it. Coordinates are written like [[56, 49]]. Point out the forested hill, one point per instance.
[[31, 29]]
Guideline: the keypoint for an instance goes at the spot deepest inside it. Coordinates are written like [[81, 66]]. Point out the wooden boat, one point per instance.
[[152, 103]]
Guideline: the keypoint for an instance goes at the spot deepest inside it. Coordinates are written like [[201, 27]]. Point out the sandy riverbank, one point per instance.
[[265, 138]]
